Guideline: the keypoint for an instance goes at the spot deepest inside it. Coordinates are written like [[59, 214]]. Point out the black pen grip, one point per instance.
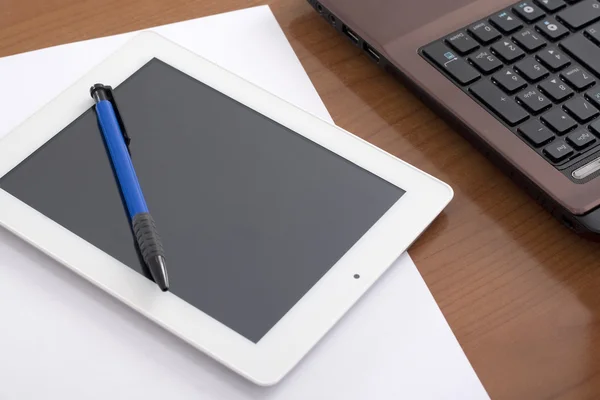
[[147, 236], [151, 247]]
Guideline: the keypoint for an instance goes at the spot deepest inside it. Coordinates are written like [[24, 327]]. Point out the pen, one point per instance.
[[142, 223]]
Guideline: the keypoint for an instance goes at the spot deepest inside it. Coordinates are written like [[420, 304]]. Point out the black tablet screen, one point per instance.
[[251, 214]]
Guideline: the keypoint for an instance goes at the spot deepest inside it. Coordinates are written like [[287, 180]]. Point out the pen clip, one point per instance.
[[111, 98]]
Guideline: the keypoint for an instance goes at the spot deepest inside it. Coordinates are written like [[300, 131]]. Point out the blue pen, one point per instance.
[[142, 223]]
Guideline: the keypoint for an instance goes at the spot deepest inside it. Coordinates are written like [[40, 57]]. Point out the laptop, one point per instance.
[[521, 81]]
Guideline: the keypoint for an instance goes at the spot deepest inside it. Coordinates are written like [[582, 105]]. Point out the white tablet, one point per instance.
[[274, 222]]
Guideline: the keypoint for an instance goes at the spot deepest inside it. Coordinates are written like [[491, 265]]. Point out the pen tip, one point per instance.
[[158, 269]]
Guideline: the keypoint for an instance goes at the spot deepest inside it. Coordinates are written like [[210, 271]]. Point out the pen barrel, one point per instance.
[[147, 237]]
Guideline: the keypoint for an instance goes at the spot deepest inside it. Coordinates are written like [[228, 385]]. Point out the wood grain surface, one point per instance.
[[521, 292]]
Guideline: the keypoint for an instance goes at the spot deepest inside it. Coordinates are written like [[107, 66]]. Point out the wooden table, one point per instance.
[[521, 292]]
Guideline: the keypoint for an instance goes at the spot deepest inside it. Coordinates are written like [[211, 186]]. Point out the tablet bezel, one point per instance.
[[269, 360]]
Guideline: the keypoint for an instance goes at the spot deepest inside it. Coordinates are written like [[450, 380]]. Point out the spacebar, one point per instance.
[[583, 51]]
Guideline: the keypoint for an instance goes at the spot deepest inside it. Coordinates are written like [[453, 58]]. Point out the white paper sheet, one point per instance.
[[61, 338]]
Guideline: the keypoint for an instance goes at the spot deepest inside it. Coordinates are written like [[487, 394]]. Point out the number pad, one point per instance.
[[535, 66]]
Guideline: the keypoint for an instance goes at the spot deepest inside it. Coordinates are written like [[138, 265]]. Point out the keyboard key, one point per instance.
[[595, 127], [484, 32], [594, 96], [551, 5], [553, 58], [507, 50], [581, 139], [552, 29], [449, 62], [528, 12], [531, 69], [498, 102], [584, 51], [578, 78], [558, 151], [508, 80], [485, 61], [556, 89], [558, 121], [506, 22], [529, 40], [593, 33], [462, 43], [534, 101], [536, 133], [581, 14], [581, 109]]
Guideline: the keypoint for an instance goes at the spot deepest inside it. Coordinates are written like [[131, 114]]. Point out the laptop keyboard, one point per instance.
[[536, 67]]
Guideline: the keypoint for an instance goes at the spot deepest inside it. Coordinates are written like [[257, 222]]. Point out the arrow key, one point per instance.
[[556, 89], [553, 58], [508, 80], [506, 21], [507, 50], [558, 121]]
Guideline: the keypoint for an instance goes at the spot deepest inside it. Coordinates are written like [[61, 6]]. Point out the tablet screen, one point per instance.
[[251, 214]]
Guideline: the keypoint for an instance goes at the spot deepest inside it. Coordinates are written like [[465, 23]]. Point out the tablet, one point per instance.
[[274, 222]]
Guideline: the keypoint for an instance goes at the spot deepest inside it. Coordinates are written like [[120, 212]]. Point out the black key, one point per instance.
[[594, 96], [584, 51], [595, 127], [528, 12], [536, 133], [558, 151], [499, 102], [558, 121], [551, 5], [449, 62], [578, 78], [593, 33], [534, 101], [581, 139], [552, 29], [581, 109], [507, 50], [553, 59], [556, 89], [506, 21], [581, 14], [508, 80], [485, 61], [462, 43], [531, 69], [484, 32], [529, 39]]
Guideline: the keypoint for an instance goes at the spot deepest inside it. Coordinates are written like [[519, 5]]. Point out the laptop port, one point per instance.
[[372, 52], [332, 20], [351, 35], [319, 8]]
